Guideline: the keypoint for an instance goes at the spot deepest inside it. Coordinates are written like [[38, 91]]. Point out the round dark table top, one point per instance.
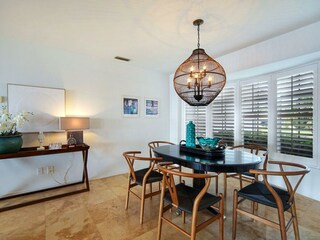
[[233, 161]]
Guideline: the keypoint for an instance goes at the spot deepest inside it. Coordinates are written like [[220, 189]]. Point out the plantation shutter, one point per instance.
[[198, 116], [223, 115], [254, 107], [295, 114]]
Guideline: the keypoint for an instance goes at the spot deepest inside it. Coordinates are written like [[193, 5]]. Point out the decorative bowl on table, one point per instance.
[[208, 144]]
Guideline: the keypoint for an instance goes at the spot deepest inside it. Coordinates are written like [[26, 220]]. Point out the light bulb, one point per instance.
[[189, 83]]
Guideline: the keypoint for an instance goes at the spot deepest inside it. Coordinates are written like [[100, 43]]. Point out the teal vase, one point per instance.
[[10, 144], [191, 135]]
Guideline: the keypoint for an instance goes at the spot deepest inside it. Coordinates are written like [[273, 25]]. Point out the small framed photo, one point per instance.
[[151, 107], [130, 106], [76, 135]]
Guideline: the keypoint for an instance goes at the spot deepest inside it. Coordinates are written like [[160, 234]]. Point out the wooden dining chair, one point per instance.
[[141, 178], [266, 194], [246, 176], [154, 144], [189, 200]]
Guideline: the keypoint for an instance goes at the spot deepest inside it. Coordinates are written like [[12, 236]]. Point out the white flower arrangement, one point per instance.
[[9, 123]]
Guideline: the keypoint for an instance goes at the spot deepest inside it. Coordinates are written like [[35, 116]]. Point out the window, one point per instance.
[[295, 114], [254, 107], [279, 110], [198, 116], [223, 115]]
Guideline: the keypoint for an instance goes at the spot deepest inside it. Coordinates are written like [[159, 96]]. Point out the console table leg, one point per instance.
[[85, 169]]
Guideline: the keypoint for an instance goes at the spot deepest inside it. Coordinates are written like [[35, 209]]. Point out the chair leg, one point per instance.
[[221, 220], [150, 189], [235, 214], [184, 216], [295, 222], [255, 203], [282, 224], [240, 179], [142, 203], [225, 185], [253, 207], [160, 221], [160, 213], [217, 183], [128, 193], [193, 225]]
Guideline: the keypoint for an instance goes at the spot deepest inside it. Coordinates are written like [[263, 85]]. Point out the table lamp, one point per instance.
[[74, 127]]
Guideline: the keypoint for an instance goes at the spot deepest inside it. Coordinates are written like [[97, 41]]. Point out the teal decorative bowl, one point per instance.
[[208, 144]]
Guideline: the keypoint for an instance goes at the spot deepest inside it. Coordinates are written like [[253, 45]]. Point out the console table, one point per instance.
[[32, 151]]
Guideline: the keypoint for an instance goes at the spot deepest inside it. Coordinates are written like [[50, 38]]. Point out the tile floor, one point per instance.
[[100, 214]]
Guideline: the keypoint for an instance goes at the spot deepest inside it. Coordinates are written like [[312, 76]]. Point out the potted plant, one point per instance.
[[10, 137]]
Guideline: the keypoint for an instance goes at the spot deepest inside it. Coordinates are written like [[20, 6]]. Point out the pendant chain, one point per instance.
[[198, 36]]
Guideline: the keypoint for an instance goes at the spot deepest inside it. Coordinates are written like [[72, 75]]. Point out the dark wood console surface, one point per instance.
[[32, 151]]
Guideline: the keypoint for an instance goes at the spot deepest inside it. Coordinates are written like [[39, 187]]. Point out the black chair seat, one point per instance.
[[153, 177], [187, 196], [258, 192], [248, 174]]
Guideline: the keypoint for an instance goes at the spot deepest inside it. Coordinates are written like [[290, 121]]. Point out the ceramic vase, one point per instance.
[[10, 144], [190, 135]]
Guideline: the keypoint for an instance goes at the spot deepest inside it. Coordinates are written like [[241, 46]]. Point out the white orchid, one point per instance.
[[9, 122]]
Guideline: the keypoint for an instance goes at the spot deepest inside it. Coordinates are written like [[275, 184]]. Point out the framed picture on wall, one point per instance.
[[151, 107], [130, 106], [46, 104]]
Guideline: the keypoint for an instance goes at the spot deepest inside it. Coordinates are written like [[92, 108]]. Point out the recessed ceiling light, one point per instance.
[[122, 59]]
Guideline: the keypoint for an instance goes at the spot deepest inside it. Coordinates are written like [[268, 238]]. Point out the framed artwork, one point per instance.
[[77, 135], [151, 107], [46, 104], [130, 106]]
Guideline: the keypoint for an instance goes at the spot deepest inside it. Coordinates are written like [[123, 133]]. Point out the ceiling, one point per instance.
[[156, 35]]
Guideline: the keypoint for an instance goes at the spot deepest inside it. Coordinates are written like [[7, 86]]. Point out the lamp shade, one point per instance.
[[74, 123]]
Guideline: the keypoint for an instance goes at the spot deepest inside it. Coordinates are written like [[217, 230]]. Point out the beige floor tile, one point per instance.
[[100, 215]]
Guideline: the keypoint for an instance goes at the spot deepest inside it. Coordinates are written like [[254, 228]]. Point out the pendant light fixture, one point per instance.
[[199, 79]]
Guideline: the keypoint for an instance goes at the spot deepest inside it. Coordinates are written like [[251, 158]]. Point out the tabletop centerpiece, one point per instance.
[[10, 138], [207, 147]]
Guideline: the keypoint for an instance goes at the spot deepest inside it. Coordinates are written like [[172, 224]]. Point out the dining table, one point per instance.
[[231, 161]]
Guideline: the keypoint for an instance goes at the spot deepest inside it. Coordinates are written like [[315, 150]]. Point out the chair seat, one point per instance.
[[258, 192], [248, 174], [186, 198], [153, 177]]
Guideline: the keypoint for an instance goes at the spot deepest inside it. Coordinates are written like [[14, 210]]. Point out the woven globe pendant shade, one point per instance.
[[199, 79]]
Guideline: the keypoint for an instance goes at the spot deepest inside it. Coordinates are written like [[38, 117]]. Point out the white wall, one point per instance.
[[294, 48], [287, 50], [94, 88]]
